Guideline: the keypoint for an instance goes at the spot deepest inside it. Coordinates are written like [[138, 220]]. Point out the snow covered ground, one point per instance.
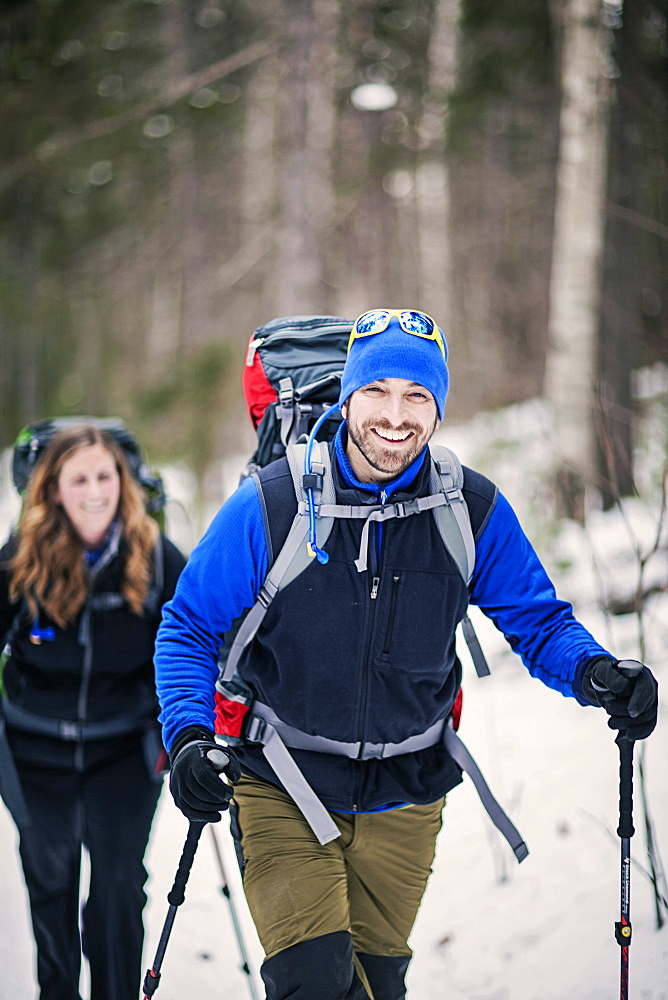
[[488, 929]]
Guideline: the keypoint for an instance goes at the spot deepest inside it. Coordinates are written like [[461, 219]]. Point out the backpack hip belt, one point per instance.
[[70, 730], [275, 736]]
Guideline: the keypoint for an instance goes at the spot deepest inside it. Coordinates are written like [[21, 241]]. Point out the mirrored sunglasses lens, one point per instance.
[[371, 322], [415, 322]]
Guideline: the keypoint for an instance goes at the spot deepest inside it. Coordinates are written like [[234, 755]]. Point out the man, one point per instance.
[[365, 660]]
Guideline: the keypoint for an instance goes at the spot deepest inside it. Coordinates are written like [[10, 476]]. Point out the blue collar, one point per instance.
[[109, 542], [402, 482]]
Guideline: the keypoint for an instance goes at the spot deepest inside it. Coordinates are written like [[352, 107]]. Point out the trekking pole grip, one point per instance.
[[220, 760], [629, 668], [178, 890], [625, 828]]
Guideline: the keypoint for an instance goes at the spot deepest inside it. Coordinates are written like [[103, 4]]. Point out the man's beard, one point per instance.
[[389, 461]]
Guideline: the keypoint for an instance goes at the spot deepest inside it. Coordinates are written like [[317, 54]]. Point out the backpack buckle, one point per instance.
[[312, 481], [266, 594], [404, 508], [286, 394], [256, 729], [69, 730]]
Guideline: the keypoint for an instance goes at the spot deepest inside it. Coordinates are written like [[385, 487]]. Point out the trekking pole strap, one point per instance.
[[499, 818]]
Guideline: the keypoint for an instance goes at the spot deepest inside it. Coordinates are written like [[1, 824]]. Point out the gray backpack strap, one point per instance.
[[403, 508], [293, 558], [446, 500], [454, 526], [461, 755], [453, 520], [324, 495], [285, 768], [475, 649], [275, 736], [285, 408]]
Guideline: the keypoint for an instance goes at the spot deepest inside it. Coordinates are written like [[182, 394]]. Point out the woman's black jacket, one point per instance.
[[100, 667]]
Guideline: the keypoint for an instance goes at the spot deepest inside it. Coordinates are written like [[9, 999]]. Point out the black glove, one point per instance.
[[628, 692], [195, 783]]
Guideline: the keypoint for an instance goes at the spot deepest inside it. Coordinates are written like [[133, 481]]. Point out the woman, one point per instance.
[[82, 585]]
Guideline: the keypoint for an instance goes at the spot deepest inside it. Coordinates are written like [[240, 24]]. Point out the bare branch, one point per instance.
[[63, 141], [636, 219]]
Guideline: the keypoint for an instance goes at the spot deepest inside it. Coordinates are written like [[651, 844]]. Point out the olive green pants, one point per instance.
[[368, 882]]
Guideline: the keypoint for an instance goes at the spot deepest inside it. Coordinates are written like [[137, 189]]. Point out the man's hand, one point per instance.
[[195, 783], [628, 692]]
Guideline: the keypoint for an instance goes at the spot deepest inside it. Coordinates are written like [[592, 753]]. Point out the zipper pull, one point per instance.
[[383, 497], [374, 587], [252, 348]]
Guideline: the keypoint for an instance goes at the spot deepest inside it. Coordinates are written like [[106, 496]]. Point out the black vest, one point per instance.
[[333, 660]]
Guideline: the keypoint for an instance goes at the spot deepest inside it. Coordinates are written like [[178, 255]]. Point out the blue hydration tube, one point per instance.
[[312, 545]]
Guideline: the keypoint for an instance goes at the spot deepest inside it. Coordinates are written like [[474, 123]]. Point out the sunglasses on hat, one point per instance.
[[418, 324]]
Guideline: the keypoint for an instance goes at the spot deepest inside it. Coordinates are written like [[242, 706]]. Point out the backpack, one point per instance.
[[240, 718], [33, 439], [291, 377]]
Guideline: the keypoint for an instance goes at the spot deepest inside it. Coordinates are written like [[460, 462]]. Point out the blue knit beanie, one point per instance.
[[396, 354]]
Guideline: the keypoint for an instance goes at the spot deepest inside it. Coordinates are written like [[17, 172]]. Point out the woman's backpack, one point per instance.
[[33, 439]]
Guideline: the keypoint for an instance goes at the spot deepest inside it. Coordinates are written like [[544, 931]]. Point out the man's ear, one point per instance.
[[344, 410]]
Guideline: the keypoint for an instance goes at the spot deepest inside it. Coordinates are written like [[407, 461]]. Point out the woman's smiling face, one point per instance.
[[89, 488]]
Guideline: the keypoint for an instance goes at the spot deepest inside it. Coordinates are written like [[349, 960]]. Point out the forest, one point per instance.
[[176, 172]]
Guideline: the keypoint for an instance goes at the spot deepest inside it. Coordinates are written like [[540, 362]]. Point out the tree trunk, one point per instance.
[[305, 159], [184, 208], [624, 275], [576, 255], [434, 275]]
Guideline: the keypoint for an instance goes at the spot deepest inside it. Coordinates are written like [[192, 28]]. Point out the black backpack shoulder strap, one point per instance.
[[152, 603], [294, 556]]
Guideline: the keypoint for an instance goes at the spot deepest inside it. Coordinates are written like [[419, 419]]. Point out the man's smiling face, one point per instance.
[[389, 423]]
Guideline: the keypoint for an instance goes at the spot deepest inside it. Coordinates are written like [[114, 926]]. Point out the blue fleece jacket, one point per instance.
[[227, 568]]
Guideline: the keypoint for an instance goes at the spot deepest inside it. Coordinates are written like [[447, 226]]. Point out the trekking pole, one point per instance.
[[177, 893], [625, 831], [174, 898], [226, 892]]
